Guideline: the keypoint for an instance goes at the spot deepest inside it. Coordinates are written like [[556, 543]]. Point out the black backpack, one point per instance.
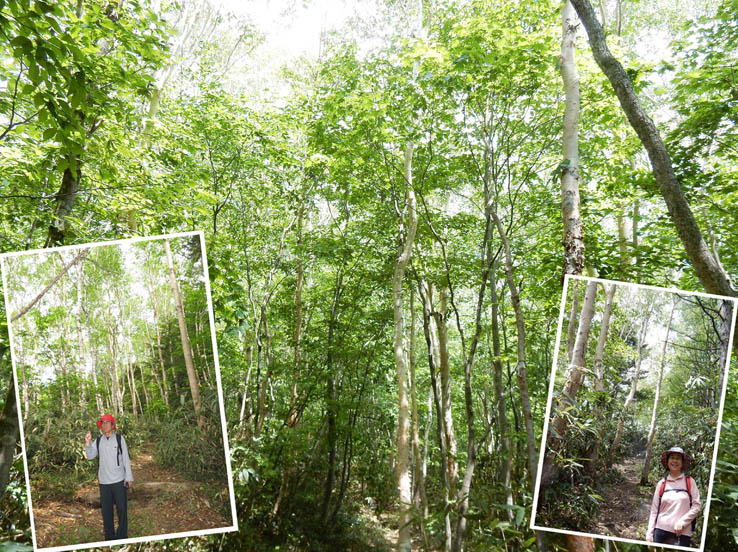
[[120, 451], [687, 490]]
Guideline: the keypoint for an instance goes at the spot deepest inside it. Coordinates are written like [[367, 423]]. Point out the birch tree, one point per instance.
[[574, 378], [189, 364], [573, 236], [406, 239], [657, 395], [646, 309], [599, 372]]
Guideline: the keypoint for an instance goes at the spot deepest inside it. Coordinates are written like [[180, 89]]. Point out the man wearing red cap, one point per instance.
[[114, 475]]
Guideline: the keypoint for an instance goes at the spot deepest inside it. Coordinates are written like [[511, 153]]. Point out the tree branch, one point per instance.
[[713, 278]]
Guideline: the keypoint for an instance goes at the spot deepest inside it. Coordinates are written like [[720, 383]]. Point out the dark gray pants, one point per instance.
[[115, 493], [665, 537]]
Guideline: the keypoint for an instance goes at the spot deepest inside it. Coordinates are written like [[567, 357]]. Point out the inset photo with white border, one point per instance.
[[633, 417], [119, 392]]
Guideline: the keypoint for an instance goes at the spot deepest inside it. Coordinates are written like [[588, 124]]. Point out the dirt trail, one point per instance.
[[174, 506], [626, 506], [384, 531]]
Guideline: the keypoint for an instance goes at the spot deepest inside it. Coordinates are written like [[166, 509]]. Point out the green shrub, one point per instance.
[[569, 506], [182, 445]]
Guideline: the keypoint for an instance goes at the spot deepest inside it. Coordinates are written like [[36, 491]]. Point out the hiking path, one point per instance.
[[160, 502]]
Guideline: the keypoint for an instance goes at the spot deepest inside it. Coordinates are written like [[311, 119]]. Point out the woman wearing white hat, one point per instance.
[[676, 501]]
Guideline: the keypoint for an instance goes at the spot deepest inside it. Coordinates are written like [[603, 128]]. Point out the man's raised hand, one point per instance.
[[88, 438]]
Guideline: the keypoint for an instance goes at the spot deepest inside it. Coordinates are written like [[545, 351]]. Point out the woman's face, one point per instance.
[[675, 462]]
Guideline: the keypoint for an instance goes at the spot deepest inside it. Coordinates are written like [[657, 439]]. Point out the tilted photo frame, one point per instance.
[[633, 415], [119, 392]]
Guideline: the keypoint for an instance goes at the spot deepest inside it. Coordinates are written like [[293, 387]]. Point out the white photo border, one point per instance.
[[211, 318], [542, 453]]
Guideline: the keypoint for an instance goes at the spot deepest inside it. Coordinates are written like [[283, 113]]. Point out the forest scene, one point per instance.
[[391, 194], [98, 330], [639, 370]]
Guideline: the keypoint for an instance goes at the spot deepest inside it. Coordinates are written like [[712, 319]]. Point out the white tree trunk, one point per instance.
[[600, 350], [573, 240], [571, 332], [407, 238], [652, 429], [452, 469], [645, 317], [574, 378], [599, 384], [189, 365], [506, 459]]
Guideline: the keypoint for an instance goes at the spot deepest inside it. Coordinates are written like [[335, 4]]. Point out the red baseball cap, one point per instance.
[[108, 418]]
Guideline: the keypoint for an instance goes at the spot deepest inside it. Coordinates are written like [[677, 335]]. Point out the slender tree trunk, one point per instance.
[[115, 388], [153, 369], [259, 357], [63, 352], [657, 396], [431, 339], [452, 468], [599, 386], [625, 258], [170, 350], [266, 381], [128, 368], [419, 500], [292, 417], [159, 348], [9, 433], [331, 400], [135, 397], [505, 456], [25, 385], [82, 357], [521, 366], [424, 465], [603, 15], [570, 204], [292, 414], [143, 385], [619, 15], [571, 333], [98, 398], [408, 227], [573, 236], [636, 257], [192, 377], [245, 413], [645, 317], [153, 110], [486, 264], [726, 315], [574, 377]]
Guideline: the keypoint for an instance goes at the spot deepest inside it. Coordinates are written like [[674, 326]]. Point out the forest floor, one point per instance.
[[626, 506], [383, 531], [160, 502]]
